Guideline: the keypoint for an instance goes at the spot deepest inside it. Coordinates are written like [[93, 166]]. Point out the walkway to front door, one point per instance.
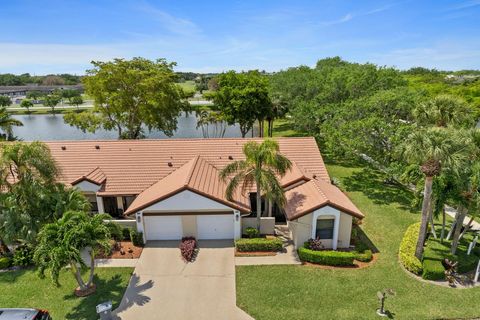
[[165, 287]]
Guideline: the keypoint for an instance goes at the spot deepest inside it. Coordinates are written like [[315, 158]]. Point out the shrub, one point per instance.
[[314, 244], [252, 232], [327, 257], [406, 252], [126, 234], [136, 238], [188, 247], [365, 256], [23, 256], [259, 244], [433, 270], [116, 231], [5, 262]]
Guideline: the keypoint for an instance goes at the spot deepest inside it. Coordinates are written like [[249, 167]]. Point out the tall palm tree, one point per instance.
[[444, 111], [433, 149], [7, 123], [61, 243], [262, 166]]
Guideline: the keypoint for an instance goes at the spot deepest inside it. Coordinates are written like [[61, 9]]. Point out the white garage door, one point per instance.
[[163, 228], [215, 226]]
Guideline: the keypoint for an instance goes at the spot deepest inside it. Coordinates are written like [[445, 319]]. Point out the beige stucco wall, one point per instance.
[[302, 228], [267, 224], [189, 224]]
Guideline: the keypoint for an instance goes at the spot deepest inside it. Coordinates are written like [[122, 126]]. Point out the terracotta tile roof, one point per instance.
[[198, 176], [316, 194], [95, 176], [131, 166]]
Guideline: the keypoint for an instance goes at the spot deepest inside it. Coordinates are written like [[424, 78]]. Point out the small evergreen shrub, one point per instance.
[[406, 252], [116, 231], [23, 256], [252, 232], [365, 256], [136, 238], [126, 234], [188, 247], [433, 270], [259, 244], [327, 257], [5, 262]]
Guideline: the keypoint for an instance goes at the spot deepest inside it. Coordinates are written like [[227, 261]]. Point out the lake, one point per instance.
[[52, 127]]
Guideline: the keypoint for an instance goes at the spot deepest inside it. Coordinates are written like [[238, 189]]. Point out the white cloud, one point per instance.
[[343, 19]]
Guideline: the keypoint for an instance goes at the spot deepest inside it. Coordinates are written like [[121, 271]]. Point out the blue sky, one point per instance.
[[210, 36]]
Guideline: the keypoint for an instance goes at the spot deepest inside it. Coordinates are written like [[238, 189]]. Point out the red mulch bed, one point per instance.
[[358, 264], [254, 253], [124, 250]]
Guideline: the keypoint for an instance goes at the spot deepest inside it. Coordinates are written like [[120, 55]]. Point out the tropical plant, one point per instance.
[[262, 166], [444, 111], [60, 245], [5, 101], [433, 149], [7, 123]]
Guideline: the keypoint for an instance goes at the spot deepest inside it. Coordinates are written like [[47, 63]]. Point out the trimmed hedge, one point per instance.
[[433, 270], [252, 232], [327, 257], [406, 252], [136, 238], [5, 262], [259, 244], [365, 256]]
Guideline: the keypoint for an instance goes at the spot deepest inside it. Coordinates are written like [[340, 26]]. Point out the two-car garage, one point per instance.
[[202, 226]]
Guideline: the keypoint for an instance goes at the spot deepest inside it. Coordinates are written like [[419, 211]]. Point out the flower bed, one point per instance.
[[122, 250], [188, 248]]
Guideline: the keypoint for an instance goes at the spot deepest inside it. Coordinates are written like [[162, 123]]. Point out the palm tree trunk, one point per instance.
[[462, 211], [259, 206], [427, 196], [92, 268], [467, 227], [444, 222], [78, 276]]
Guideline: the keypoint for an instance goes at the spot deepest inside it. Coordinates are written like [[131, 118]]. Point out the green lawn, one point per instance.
[[302, 292], [188, 86], [25, 289]]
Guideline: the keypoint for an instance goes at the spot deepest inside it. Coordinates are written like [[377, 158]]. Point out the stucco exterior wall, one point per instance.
[[189, 224], [303, 228], [267, 224]]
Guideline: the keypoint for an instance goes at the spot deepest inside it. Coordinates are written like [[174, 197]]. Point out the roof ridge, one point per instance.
[[191, 170], [319, 189]]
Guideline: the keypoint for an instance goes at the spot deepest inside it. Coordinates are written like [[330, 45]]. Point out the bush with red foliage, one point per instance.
[[188, 248]]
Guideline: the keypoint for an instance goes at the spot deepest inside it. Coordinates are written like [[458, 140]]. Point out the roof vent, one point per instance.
[[97, 147], [64, 148], [314, 176], [230, 158], [170, 164]]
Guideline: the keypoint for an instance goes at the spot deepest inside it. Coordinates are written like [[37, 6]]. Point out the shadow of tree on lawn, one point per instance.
[[133, 295]]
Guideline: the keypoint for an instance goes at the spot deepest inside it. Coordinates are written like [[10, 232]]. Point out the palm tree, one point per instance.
[[444, 111], [433, 149], [61, 243], [7, 122], [262, 166]]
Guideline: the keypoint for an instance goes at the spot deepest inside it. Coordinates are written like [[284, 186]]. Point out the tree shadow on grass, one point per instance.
[[111, 289], [12, 276], [362, 236], [133, 295], [372, 183]]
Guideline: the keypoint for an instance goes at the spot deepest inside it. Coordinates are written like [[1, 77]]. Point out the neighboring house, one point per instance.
[[171, 187]]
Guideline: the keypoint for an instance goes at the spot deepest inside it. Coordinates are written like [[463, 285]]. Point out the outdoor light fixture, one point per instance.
[[139, 218], [237, 216]]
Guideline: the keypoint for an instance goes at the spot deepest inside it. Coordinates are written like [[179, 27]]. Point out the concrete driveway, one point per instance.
[[165, 287]]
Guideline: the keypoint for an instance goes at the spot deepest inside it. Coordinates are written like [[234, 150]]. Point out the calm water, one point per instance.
[[52, 127]]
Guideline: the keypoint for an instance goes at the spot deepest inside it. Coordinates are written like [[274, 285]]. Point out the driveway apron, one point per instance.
[[163, 286]]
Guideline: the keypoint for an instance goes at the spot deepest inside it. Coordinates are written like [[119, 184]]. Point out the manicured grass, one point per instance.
[[283, 128], [188, 86], [24, 289], [303, 292]]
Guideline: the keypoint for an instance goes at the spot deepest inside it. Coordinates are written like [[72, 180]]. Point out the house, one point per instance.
[[171, 188]]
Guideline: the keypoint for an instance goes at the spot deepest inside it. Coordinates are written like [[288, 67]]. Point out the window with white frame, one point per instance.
[[324, 228]]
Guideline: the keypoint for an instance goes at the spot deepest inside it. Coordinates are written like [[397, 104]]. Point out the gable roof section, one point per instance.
[[198, 176], [314, 195], [95, 176], [131, 166]]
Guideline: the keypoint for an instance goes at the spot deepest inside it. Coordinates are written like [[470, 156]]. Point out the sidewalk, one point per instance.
[[451, 212]]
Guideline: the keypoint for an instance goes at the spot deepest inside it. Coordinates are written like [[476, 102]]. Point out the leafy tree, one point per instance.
[[27, 104], [34, 95], [69, 93], [51, 101], [262, 166], [75, 101], [130, 95], [5, 101], [52, 80], [201, 84], [434, 149], [60, 245], [7, 123], [243, 98]]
